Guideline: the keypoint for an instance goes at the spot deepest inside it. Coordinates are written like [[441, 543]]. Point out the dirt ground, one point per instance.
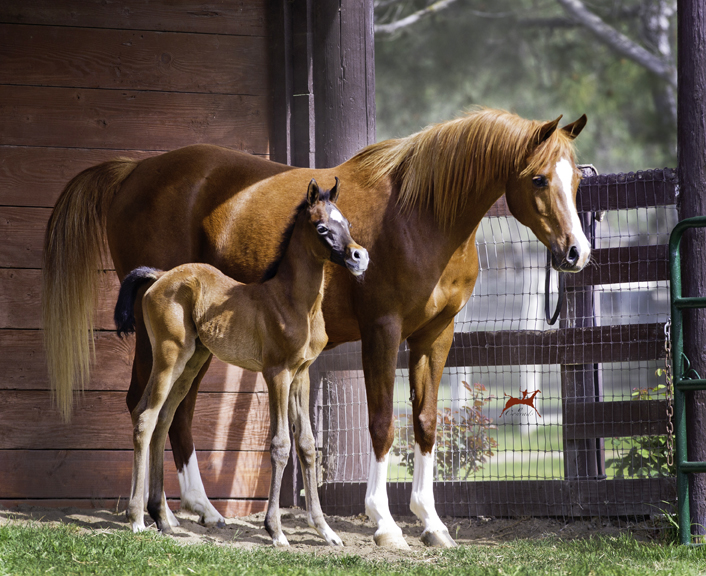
[[356, 532]]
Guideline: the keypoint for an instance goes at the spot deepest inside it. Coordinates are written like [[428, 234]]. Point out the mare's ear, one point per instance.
[[574, 129], [546, 130], [312, 194], [335, 191]]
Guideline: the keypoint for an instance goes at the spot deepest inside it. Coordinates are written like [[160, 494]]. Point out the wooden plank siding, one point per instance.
[[82, 82]]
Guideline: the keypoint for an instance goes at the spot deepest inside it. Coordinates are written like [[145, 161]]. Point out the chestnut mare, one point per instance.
[[415, 203], [275, 327]]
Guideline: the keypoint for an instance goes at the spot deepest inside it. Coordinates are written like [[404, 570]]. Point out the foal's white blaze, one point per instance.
[[422, 501], [376, 504], [337, 216], [565, 171], [193, 494]]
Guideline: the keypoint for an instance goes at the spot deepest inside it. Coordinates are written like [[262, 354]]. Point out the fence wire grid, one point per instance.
[[534, 420]]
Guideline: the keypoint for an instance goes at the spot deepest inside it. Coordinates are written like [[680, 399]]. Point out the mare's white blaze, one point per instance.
[[193, 494], [337, 216], [377, 507], [422, 501], [565, 171]]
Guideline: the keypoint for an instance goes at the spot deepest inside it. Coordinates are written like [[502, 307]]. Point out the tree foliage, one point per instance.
[[536, 58]]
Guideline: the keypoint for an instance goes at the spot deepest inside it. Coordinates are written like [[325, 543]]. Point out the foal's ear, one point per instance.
[[546, 130], [312, 194], [335, 191], [574, 129]]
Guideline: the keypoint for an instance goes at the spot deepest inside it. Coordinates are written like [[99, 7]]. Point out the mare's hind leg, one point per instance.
[[157, 503], [306, 449], [278, 383]]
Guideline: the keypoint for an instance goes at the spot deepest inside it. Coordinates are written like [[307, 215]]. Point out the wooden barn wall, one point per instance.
[[83, 81]]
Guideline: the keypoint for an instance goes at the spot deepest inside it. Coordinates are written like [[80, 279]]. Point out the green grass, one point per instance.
[[67, 550]]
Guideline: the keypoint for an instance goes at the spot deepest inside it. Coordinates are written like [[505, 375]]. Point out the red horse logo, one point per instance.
[[527, 401]]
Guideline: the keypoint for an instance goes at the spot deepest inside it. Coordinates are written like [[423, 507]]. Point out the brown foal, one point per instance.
[[275, 327]]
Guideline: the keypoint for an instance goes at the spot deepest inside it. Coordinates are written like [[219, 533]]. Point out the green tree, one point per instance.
[[539, 58]]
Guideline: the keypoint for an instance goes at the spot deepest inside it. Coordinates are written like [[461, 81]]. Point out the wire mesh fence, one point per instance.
[[566, 420]]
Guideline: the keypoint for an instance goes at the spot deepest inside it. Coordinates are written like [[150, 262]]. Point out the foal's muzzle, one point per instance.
[[356, 259]]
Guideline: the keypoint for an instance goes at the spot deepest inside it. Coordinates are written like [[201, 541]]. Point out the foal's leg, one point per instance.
[[157, 502], [380, 344], [141, 369], [193, 494], [144, 419], [278, 383], [306, 449], [428, 352]]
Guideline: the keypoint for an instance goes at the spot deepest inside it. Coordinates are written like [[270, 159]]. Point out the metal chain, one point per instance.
[[670, 391]]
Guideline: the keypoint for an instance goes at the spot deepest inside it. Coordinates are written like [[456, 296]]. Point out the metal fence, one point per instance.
[[590, 439]]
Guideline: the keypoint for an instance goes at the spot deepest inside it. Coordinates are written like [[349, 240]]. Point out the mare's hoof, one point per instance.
[[395, 541], [438, 539]]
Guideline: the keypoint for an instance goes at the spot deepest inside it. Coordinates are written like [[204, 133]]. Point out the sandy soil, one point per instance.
[[356, 532]]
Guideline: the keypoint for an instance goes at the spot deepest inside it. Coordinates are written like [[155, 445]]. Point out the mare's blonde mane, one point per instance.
[[443, 166]]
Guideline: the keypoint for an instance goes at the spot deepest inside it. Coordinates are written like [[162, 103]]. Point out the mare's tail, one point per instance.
[[125, 308], [74, 250]]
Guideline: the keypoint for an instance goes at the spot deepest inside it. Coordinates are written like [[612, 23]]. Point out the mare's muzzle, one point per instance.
[[571, 259]]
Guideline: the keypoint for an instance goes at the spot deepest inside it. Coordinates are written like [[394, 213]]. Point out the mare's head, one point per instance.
[[543, 195], [333, 229]]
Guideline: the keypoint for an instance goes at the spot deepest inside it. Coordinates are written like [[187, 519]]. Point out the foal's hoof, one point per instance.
[[221, 524], [438, 539], [387, 540]]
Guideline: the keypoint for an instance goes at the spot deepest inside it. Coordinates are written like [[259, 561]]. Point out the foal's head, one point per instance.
[[543, 195], [333, 229]]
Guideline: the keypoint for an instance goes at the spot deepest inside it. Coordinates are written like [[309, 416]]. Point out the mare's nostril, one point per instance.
[[573, 256]]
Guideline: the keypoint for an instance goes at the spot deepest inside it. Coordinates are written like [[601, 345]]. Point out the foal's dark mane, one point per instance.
[[324, 196]]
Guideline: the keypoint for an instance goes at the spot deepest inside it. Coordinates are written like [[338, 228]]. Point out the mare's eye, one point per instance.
[[540, 181], [321, 229]]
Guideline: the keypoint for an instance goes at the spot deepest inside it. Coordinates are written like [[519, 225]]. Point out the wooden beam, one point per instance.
[[586, 420], [118, 119], [23, 366], [100, 474], [132, 60], [516, 498], [625, 264], [245, 17], [101, 421]]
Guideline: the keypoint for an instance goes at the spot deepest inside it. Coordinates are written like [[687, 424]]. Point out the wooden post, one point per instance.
[[691, 146], [323, 98]]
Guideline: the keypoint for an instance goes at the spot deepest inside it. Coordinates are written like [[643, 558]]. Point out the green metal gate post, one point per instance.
[[682, 382]]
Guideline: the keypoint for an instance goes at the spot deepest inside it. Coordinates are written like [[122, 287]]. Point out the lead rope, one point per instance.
[[551, 318], [669, 393]]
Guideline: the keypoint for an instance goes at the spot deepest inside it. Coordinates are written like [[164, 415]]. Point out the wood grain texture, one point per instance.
[[132, 60], [36, 176], [242, 17], [229, 508], [585, 420], [99, 474], [517, 498], [23, 366], [101, 421], [130, 119], [20, 292]]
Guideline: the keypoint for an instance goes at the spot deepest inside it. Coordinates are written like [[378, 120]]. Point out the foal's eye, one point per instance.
[[540, 181], [321, 229]]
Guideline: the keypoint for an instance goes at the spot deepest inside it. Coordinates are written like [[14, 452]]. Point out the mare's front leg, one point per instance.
[[428, 353], [306, 449], [380, 342], [278, 384]]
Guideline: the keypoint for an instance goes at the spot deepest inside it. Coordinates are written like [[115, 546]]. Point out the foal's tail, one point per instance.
[[74, 250], [125, 308]]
